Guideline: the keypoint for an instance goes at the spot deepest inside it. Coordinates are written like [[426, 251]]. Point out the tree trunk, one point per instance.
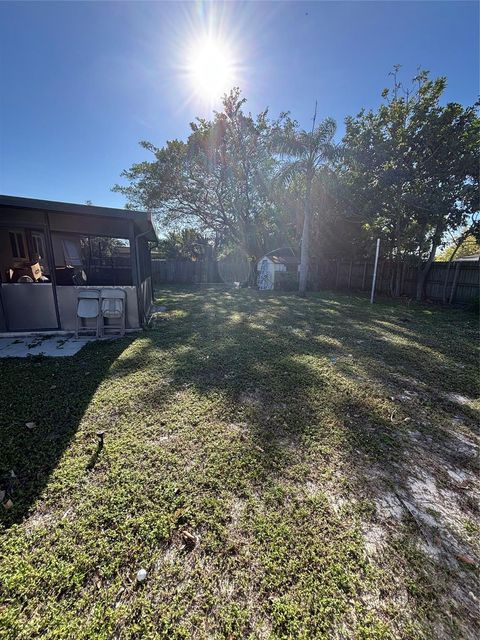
[[445, 282], [398, 276], [391, 278], [454, 283], [450, 260], [364, 278], [423, 272], [421, 278], [404, 270], [305, 248], [395, 264]]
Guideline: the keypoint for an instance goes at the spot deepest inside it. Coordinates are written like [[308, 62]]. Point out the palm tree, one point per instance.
[[306, 152]]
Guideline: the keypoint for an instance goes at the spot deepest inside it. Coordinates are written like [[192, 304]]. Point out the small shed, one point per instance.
[[277, 260], [49, 251]]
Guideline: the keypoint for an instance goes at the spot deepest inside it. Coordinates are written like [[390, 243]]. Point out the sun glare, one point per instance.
[[211, 69]]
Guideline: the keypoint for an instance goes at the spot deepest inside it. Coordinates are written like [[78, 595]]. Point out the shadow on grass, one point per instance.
[[261, 353], [330, 377], [53, 393]]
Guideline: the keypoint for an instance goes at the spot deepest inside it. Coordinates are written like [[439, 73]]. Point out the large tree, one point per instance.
[[218, 181], [305, 155], [411, 171]]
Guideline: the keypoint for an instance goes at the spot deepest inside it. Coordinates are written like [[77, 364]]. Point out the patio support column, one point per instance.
[[135, 271], [51, 264]]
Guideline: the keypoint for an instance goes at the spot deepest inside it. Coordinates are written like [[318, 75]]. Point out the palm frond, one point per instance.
[[289, 144], [289, 171], [322, 136]]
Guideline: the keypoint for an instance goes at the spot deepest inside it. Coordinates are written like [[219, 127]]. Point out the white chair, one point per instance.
[[112, 307], [88, 308]]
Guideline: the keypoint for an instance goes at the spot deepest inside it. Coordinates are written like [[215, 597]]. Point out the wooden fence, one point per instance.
[[463, 283], [463, 279], [177, 271]]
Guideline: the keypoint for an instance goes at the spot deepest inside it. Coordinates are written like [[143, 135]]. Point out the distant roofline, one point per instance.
[[470, 258]]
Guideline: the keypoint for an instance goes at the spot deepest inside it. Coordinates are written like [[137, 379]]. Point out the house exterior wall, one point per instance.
[[29, 306], [67, 306], [32, 307]]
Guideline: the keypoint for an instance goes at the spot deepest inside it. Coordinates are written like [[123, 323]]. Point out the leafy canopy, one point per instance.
[[218, 181], [411, 167]]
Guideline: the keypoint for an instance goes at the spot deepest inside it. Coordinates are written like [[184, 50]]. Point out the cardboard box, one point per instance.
[[36, 271], [33, 270]]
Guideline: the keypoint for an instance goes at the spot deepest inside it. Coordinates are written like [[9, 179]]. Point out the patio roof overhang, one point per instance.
[[142, 220]]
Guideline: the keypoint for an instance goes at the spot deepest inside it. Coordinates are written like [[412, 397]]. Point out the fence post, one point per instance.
[[380, 275], [336, 275], [350, 274], [364, 275], [375, 271], [402, 277], [454, 283], [445, 281]]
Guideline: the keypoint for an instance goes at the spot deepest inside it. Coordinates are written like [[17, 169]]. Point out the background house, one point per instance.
[[475, 257]]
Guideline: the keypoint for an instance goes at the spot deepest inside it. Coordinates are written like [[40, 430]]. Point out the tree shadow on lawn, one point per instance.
[[256, 349], [52, 393], [309, 383], [55, 394]]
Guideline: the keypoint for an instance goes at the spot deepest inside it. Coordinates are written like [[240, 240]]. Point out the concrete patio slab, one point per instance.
[[50, 346]]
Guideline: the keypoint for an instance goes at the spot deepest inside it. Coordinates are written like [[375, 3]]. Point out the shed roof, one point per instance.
[[283, 259], [282, 255], [142, 219]]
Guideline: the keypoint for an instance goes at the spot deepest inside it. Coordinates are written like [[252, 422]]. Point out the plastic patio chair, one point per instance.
[[88, 308], [113, 303]]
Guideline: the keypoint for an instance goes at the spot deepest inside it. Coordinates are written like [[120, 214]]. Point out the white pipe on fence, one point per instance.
[[374, 279]]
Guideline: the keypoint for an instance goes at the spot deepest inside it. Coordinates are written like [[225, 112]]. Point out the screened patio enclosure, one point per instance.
[[51, 250]]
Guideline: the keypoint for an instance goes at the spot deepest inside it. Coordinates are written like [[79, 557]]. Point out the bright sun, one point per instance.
[[211, 69]]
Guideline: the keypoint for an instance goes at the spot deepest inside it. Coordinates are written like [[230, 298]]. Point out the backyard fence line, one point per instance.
[[462, 279], [202, 271], [177, 271]]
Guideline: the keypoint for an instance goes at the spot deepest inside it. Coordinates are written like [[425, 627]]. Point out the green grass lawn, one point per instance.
[[281, 467]]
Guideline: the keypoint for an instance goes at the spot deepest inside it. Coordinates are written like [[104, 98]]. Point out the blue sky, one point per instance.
[[82, 83]]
